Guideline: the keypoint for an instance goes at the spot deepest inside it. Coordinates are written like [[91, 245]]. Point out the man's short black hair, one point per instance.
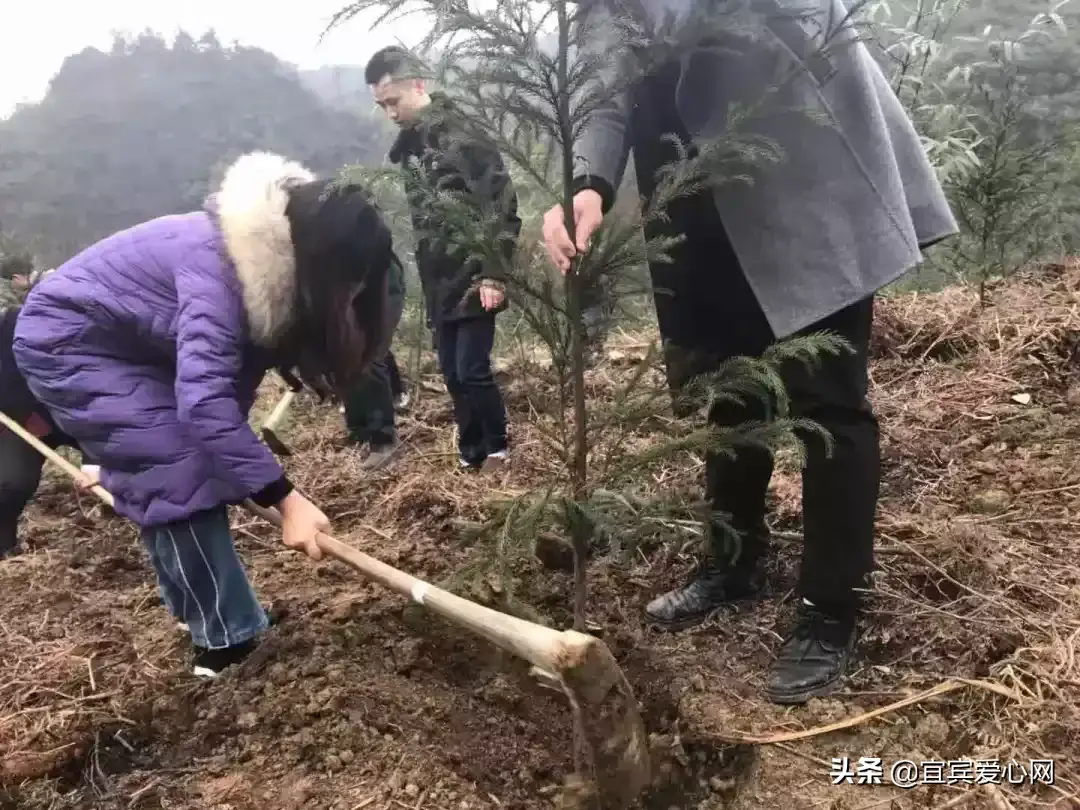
[[17, 264], [393, 61]]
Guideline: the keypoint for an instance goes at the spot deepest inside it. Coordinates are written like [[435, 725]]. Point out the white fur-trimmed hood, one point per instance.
[[250, 207]]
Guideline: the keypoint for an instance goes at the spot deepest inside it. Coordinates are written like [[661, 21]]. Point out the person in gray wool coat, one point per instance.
[[802, 248]]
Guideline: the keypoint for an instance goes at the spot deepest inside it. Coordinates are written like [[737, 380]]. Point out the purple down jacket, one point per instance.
[[148, 346]]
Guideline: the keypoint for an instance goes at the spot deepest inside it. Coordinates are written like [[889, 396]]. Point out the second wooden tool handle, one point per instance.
[[279, 410], [539, 645]]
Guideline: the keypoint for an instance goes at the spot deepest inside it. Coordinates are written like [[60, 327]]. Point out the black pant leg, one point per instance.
[[736, 485], [476, 339], [737, 481], [20, 475], [396, 387], [470, 438], [840, 492], [369, 409]]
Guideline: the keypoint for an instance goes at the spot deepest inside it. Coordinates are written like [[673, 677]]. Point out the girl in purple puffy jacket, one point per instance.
[[147, 349]]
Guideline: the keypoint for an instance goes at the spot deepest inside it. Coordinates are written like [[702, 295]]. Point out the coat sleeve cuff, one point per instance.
[[272, 495], [600, 186], [492, 274]]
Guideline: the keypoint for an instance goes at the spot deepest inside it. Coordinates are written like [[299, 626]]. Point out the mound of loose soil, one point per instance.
[[358, 701]]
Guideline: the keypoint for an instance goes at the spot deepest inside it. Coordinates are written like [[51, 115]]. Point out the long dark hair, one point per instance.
[[343, 250]]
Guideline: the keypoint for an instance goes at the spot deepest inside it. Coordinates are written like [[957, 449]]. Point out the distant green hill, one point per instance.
[[146, 128]]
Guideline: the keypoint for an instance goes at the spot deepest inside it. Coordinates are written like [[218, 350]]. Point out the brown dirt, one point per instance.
[[357, 701]]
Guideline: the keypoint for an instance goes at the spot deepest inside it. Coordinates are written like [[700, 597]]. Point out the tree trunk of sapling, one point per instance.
[[579, 535]]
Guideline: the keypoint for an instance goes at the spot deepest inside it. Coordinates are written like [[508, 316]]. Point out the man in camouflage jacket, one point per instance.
[[17, 276]]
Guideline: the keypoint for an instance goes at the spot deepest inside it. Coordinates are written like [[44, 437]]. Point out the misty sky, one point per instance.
[[36, 35]]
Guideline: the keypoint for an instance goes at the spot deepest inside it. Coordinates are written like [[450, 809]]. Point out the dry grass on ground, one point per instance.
[[355, 702]]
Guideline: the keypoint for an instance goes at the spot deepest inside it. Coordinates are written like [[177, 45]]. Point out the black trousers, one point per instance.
[[840, 490], [369, 406], [20, 474], [464, 348], [707, 309], [369, 409], [397, 388]]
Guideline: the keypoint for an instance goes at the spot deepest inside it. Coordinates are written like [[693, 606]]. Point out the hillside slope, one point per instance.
[[971, 646]]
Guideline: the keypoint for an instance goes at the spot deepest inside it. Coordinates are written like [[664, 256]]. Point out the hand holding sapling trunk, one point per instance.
[[588, 214]]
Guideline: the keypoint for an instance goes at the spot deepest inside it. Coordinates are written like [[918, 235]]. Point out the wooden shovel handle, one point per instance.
[[541, 646]]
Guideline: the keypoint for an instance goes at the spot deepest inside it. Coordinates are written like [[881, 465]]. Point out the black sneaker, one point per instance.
[[815, 657], [211, 663]]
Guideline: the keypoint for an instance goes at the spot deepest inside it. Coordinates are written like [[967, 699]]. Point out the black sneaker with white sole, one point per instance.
[[211, 663]]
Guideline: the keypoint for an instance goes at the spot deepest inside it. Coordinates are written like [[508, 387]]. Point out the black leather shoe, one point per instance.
[[711, 588], [815, 658]]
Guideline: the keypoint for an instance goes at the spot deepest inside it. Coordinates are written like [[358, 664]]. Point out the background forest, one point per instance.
[[144, 129]]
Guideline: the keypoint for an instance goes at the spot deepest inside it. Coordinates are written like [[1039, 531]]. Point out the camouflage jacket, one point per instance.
[[12, 295]]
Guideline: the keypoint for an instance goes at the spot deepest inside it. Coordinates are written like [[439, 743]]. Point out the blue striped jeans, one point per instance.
[[203, 582]]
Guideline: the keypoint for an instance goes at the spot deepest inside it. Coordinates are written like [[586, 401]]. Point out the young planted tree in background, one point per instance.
[[1005, 160], [529, 77], [1011, 204], [914, 38]]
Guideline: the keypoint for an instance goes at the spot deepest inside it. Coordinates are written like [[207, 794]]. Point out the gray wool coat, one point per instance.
[[854, 200]]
